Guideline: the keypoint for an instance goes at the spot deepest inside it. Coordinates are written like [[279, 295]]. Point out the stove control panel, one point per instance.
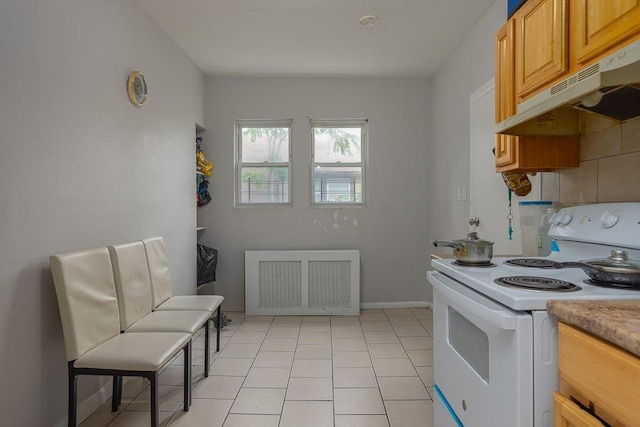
[[613, 224]]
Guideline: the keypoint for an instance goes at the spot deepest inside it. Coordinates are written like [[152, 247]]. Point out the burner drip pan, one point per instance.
[[530, 262], [480, 265], [534, 283]]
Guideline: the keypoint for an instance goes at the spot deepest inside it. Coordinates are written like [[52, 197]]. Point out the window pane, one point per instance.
[[338, 184], [333, 145], [265, 185], [261, 145]]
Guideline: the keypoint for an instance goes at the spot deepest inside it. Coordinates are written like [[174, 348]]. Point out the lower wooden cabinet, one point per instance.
[[536, 153], [599, 376], [568, 414]]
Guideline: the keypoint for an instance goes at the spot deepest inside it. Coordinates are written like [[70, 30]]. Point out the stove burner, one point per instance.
[[612, 285], [482, 265], [530, 262], [537, 283]]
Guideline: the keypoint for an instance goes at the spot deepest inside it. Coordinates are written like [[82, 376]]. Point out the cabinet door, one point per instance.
[[568, 414], [505, 71], [541, 49], [506, 146], [600, 25]]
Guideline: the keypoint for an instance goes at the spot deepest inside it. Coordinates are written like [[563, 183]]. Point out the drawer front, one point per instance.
[[601, 372], [568, 414]]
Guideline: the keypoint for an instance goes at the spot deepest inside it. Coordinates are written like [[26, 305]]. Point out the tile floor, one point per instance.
[[372, 370]]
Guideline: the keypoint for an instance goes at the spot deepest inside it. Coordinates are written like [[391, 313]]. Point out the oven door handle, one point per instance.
[[499, 318]]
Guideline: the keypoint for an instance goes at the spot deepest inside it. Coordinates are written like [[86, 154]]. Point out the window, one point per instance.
[[263, 162], [338, 164]]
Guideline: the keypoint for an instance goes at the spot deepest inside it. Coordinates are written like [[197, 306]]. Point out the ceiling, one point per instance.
[[317, 37]]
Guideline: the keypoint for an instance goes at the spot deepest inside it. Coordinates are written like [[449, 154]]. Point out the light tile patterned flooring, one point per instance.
[[372, 370]]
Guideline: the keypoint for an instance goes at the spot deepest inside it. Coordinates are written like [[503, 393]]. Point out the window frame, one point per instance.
[[363, 124], [239, 165]]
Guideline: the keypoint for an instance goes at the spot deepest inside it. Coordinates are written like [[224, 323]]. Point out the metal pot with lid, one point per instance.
[[617, 270], [470, 250]]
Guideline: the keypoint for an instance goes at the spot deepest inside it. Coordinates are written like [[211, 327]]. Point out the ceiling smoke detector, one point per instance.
[[369, 20]]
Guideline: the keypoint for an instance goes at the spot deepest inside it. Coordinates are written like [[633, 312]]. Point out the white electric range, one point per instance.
[[495, 346]]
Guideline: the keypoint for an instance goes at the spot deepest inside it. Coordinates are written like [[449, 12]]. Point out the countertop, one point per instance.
[[615, 321]]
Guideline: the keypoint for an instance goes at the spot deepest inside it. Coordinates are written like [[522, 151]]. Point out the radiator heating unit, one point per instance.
[[322, 282]]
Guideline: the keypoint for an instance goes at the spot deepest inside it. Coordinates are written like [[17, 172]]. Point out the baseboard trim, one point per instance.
[[396, 304]]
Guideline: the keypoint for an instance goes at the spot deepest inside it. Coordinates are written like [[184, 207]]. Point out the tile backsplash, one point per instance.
[[609, 165]]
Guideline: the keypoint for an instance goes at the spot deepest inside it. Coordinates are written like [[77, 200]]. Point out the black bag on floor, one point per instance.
[[207, 262]]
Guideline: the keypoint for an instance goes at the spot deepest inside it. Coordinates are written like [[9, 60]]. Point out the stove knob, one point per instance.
[[565, 218], [560, 218], [609, 219]]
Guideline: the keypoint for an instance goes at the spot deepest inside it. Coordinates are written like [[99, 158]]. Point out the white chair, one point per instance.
[[88, 305], [134, 299], [161, 285]]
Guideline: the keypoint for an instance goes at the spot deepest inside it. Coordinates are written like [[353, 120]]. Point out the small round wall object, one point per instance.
[[137, 89]]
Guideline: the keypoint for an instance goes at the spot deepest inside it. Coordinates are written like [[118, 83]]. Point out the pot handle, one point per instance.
[[438, 243], [584, 266]]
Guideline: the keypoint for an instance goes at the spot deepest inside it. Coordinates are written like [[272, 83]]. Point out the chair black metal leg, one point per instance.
[[73, 395], [120, 385], [207, 348], [116, 394], [187, 376], [153, 378], [218, 323]]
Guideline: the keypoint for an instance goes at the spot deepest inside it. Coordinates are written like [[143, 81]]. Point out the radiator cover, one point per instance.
[[302, 282]]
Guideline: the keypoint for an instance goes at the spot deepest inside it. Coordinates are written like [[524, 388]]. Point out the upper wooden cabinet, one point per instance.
[[536, 153], [505, 99], [547, 40], [541, 46], [598, 27], [523, 154]]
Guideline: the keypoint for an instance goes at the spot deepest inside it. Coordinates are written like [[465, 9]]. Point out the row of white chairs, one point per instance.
[[119, 317]]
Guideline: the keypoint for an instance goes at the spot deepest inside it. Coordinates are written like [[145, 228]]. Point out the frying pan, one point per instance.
[[617, 270]]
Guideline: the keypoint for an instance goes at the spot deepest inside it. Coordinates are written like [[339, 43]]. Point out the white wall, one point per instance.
[[80, 167], [466, 69], [391, 233]]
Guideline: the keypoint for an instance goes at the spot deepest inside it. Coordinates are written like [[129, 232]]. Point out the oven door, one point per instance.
[[483, 353]]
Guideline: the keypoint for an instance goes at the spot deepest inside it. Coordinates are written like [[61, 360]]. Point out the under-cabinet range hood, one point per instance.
[[610, 87]]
